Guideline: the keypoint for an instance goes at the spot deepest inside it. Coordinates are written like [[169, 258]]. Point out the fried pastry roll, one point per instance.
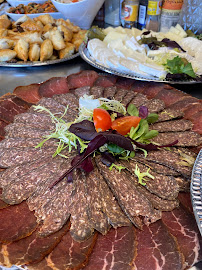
[[34, 52], [30, 26], [67, 51], [3, 32], [5, 23], [46, 50], [6, 43], [44, 19], [22, 48], [7, 55], [57, 39], [66, 32]]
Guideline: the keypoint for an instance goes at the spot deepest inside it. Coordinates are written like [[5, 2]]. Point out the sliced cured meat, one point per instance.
[[183, 184], [31, 249], [22, 217], [18, 171], [29, 93], [151, 89], [97, 91], [105, 81], [83, 78], [157, 249], [169, 114], [110, 206], [184, 103], [97, 218], [197, 121], [21, 188], [132, 202], [69, 100], [67, 254], [2, 203], [154, 105], [109, 92], [157, 202], [128, 97], [173, 126], [11, 106], [170, 96], [139, 100], [115, 251], [36, 120], [22, 155], [80, 92], [185, 200], [2, 126], [185, 138], [81, 228], [169, 159], [120, 94], [191, 110], [163, 186], [139, 86], [25, 142], [124, 83], [22, 130], [53, 86], [182, 225]]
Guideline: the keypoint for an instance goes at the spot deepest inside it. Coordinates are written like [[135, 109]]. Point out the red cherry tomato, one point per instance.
[[124, 124], [102, 119]]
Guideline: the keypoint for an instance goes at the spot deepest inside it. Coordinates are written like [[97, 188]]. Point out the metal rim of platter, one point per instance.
[[85, 55], [196, 190], [37, 63]]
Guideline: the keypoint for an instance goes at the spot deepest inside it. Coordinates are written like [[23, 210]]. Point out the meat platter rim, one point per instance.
[[38, 63], [196, 190], [84, 53]]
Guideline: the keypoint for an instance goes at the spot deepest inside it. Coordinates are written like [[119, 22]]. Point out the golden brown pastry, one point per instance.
[[4, 16], [67, 51], [44, 19], [7, 55], [29, 36], [30, 25], [73, 27], [47, 27], [34, 52], [46, 50], [22, 48], [78, 38], [5, 23], [40, 24], [66, 32], [22, 19], [3, 32], [57, 39], [6, 43]]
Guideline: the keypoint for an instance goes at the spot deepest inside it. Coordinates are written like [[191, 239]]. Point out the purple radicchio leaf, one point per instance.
[[84, 130], [172, 44], [119, 140], [143, 112], [107, 158]]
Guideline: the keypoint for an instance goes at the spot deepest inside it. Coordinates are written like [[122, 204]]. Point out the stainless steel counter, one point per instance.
[[11, 77]]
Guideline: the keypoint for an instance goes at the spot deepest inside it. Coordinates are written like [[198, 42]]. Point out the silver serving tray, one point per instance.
[[196, 190], [85, 55], [38, 63]]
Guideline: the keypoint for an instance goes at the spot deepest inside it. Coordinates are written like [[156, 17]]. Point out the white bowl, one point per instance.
[[15, 17], [15, 3], [80, 13]]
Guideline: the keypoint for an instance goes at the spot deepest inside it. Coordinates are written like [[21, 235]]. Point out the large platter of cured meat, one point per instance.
[[172, 57], [80, 192]]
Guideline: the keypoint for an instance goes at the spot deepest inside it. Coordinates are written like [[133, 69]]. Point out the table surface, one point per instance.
[[11, 77]]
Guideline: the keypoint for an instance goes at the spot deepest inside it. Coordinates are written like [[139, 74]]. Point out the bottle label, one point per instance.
[[130, 13], [142, 14], [172, 4], [169, 18], [154, 7]]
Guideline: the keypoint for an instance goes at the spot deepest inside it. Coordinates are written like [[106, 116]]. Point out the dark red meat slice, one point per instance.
[[105, 81], [139, 86], [124, 83], [109, 92], [11, 106], [150, 89], [2, 203], [83, 78], [183, 103], [192, 110], [53, 86], [182, 225], [33, 248], [128, 97], [172, 126], [115, 251], [120, 94], [154, 105], [139, 100], [97, 91], [170, 96], [169, 114], [185, 200], [81, 91], [69, 100], [197, 121], [68, 254], [157, 249], [16, 222], [29, 93], [2, 126]]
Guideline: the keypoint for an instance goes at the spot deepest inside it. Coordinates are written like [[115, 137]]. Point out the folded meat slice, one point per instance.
[[154, 105], [120, 94], [109, 92], [97, 91], [185, 138], [132, 202], [169, 114], [128, 97], [69, 100], [80, 92], [173, 126], [139, 100]]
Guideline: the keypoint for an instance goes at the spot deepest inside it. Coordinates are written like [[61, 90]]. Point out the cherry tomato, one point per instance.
[[124, 124], [102, 119]]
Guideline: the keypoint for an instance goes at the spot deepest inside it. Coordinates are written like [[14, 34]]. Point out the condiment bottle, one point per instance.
[[153, 15], [112, 14], [129, 13], [142, 14], [170, 14]]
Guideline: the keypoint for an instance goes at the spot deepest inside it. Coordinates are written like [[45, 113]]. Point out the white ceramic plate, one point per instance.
[[15, 17], [15, 3], [196, 190]]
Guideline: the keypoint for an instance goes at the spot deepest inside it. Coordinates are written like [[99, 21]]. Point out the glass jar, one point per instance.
[[129, 13]]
